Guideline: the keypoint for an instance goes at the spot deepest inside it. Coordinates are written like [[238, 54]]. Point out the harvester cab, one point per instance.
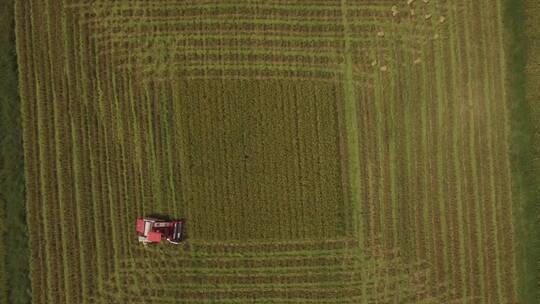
[[153, 231]]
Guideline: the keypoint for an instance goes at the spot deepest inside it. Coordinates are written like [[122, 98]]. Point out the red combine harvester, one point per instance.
[[152, 230]]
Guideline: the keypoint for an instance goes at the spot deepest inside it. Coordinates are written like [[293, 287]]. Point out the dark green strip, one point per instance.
[[523, 150], [14, 270]]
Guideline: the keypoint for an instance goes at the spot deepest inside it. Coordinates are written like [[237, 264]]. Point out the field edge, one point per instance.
[[525, 184], [14, 273]]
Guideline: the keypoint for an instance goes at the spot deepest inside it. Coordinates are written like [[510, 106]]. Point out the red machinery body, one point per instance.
[[152, 231]]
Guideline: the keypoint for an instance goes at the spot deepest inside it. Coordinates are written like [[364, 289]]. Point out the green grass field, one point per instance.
[[320, 151], [14, 280], [522, 19]]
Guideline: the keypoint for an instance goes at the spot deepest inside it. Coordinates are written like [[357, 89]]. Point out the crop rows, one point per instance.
[[335, 153], [307, 40], [439, 185], [329, 279]]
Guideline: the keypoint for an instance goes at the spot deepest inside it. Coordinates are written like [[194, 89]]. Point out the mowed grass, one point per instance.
[[320, 152], [436, 179]]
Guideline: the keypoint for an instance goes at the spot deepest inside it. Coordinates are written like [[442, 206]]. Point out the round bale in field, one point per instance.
[[395, 11]]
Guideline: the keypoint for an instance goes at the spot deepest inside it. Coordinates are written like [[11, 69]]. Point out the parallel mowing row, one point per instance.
[[439, 183], [120, 121], [320, 279]]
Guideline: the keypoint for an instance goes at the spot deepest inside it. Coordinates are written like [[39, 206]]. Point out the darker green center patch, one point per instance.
[[259, 159]]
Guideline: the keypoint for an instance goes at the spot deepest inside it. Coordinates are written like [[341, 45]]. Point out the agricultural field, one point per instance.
[[328, 151], [527, 156], [14, 280]]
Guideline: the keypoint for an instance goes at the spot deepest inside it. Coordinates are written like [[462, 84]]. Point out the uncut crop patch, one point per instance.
[[320, 151]]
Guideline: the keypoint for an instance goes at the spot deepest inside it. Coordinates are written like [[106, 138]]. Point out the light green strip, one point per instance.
[[353, 154], [246, 271], [455, 148], [440, 99], [378, 97], [164, 99], [234, 67], [151, 152], [174, 38], [407, 102], [105, 176], [315, 286], [425, 202], [41, 164], [77, 171], [392, 154], [489, 103], [352, 300], [126, 23], [118, 136], [109, 193], [115, 6], [174, 50], [474, 170], [96, 212], [137, 147], [352, 129], [58, 162]]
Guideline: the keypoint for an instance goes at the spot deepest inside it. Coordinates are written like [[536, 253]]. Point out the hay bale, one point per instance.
[[395, 10]]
